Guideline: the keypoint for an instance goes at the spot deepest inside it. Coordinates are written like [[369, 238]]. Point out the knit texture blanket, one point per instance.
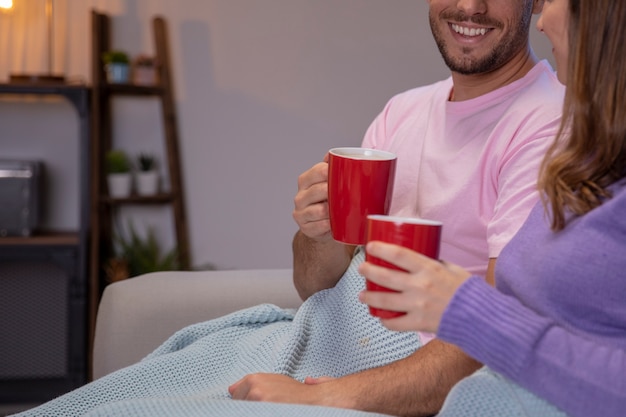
[[331, 334]]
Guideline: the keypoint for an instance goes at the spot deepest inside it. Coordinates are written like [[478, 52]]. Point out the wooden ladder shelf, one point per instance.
[[102, 205]]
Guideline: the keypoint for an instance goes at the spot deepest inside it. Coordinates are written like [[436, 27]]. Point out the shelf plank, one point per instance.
[[162, 198], [38, 89], [48, 238], [132, 89]]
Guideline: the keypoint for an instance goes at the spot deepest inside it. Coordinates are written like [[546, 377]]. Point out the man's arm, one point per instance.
[[318, 264], [491, 272], [414, 386], [318, 260]]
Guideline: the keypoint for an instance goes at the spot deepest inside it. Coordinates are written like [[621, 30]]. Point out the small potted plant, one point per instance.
[[119, 177], [145, 70], [147, 175], [141, 254], [117, 66]]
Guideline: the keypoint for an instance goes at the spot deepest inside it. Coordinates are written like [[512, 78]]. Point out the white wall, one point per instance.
[[264, 88]]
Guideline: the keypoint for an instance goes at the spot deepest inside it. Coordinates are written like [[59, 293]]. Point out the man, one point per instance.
[[468, 154]]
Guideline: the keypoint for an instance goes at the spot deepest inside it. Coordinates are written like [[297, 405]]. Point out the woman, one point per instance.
[[556, 341]]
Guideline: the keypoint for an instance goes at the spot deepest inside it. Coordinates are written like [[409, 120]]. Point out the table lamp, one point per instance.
[[44, 78]]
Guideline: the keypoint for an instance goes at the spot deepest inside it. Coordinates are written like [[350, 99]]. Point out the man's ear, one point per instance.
[[538, 6]]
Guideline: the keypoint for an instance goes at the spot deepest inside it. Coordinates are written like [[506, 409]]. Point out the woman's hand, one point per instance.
[[424, 291]]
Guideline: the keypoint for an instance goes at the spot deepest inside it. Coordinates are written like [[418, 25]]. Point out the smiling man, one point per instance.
[[469, 149]]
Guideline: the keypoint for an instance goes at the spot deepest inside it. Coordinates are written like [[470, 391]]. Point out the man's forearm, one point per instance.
[[318, 265], [414, 386]]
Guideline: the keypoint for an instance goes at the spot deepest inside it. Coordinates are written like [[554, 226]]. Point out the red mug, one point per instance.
[[420, 235], [360, 183]]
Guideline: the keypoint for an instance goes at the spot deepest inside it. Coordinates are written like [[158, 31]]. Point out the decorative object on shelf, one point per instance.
[[117, 66], [48, 77], [6, 5], [136, 255], [145, 70], [119, 178], [116, 269], [21, 192], [147, 176]]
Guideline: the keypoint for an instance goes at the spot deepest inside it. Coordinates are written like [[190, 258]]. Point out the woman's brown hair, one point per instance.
[[590, 151]]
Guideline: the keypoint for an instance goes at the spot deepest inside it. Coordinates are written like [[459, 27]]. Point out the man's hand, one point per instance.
[[276, 388], [311, 202]]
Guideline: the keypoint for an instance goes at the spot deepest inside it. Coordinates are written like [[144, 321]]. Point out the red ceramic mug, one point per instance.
[[420, 235], [360, 183]]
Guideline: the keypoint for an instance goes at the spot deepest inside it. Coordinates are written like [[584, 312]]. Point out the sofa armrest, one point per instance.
[[136, 315]]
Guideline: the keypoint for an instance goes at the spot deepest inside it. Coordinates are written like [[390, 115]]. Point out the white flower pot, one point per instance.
[[147, 182], [120, 185]]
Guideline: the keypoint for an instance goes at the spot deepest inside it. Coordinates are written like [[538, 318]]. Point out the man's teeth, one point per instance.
[[467, 31]]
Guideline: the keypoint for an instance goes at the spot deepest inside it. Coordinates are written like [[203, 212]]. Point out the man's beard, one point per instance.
[[506, 48]]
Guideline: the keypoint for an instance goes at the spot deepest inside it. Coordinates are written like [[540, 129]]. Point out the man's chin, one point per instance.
[[470, 66]]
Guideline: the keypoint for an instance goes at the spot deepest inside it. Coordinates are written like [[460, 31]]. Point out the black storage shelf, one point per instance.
[[44, 285]]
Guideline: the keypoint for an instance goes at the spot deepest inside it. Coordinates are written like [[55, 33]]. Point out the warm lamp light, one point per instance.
[[46, 78]]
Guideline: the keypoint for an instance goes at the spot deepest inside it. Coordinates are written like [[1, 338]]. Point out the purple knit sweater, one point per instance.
[[556, 325]]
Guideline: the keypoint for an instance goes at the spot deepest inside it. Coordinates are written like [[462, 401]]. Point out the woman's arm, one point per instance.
[[578, 373]]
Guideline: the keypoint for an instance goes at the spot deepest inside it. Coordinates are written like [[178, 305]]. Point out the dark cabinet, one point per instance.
[[44, 287]]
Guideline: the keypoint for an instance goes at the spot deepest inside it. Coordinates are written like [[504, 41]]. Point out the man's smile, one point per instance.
[[467, 31]]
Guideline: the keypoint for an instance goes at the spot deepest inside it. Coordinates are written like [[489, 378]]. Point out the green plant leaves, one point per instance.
[[143, 255]]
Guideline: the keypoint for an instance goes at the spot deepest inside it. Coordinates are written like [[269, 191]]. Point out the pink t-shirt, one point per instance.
[[472, 164]]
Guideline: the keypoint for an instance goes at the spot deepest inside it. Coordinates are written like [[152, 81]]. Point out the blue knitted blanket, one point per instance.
[[331, 334]]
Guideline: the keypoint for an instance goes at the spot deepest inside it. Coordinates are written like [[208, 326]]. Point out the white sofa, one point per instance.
[[136, 315]]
